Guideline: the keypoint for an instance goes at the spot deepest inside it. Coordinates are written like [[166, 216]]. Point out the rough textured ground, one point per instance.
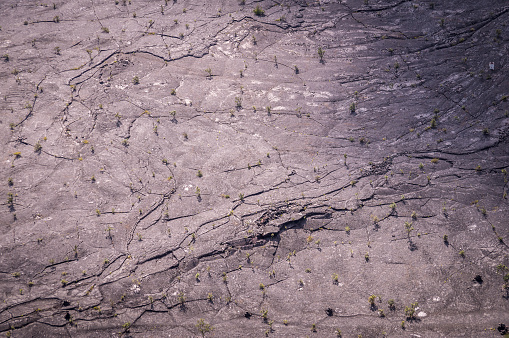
[[166, 166]]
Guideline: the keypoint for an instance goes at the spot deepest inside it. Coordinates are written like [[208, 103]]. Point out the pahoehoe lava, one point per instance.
[[177, 168]]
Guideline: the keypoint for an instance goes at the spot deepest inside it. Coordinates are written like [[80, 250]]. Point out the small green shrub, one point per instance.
[[126, 326], [238, 102], [258, 11], [321, 53], [265, 314], [10, 199], [181, 298], [410, 311]]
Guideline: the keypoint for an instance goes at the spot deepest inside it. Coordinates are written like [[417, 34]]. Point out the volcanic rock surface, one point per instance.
[[254, 168]]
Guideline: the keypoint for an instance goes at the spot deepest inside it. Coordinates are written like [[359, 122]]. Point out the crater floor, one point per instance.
[[254, 168]]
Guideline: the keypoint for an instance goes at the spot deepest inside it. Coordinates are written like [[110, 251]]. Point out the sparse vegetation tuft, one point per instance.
[[321, 53], [203, 327], [258, 11]]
